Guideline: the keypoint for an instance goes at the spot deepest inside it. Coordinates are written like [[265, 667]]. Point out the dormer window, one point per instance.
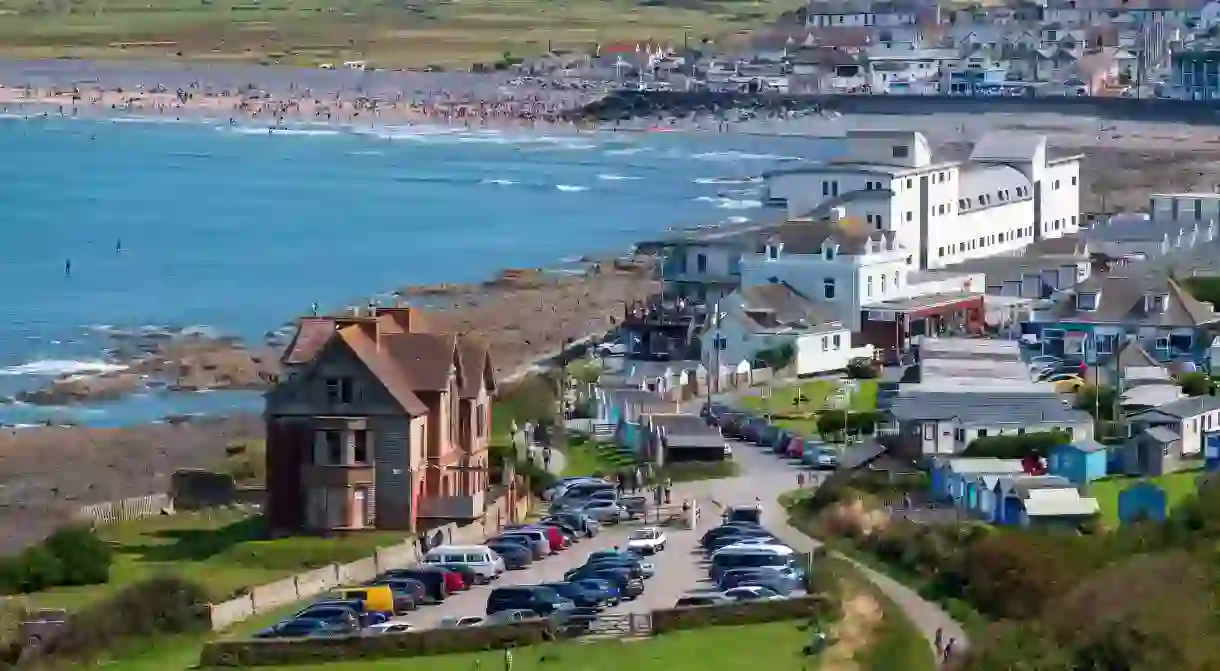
[[1157, 303], [1086, 301], [773, 251], [829, 252]]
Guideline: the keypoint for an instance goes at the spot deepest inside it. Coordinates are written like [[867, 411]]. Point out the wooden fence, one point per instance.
[[125, 510]]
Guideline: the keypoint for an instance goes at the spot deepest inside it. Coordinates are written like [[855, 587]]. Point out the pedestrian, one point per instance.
[[939, 642], [508, 659], [949, 649], [667, 493], [906, 501], [800, 480]]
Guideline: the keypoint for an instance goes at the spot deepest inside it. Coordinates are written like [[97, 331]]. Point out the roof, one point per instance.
[[923, 302], [1007, 148], [808, 236], [981, 465], [682, 430], [476, 368], [1161, 434], [384, 368], [779, 305], [427, 358], [1122, 300], [1025, 486], [312, 335], [639, 397], [1061, 506], [982, 187], [1187, 407], [1088, 445], [1151, 395], [1137, 363], [985, 408]]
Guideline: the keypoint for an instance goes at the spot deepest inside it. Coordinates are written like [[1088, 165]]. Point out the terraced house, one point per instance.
[[378, 422]]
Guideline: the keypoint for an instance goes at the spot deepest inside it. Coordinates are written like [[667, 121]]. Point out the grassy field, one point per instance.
[[221, 549], [798, 404], [586, 457], [388, 33], [1178, 486]]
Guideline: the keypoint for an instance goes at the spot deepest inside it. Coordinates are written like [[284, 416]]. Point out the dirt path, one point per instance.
[[853, 634]]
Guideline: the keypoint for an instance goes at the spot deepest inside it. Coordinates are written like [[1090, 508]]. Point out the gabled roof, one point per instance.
[[312, 335], [852, 236], [384, 369], [1184, 408], [476, 368], [1161, 434], [1121, 301], [778, 305], [985, 408], [427, 358]]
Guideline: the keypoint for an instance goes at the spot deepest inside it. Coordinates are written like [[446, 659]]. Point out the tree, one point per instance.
[[777, 357], [861, 369], [1016, 646], [1016, 446], [1195, 383], [1097, 401]]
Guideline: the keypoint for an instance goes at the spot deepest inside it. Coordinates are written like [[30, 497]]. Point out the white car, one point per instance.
[[728, 451], [753, 593], [387, 628], [648, 540], [750, 543]]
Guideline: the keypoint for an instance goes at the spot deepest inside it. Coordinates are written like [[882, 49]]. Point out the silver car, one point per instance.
[[607, 512]]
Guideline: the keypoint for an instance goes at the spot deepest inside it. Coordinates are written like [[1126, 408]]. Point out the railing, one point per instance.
[[125, 510]]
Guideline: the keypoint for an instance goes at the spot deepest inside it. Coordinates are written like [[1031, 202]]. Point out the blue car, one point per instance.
[[819, 457], [604, 588], [303, 627]]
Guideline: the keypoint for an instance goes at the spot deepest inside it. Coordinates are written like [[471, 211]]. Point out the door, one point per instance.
[[358, 507]]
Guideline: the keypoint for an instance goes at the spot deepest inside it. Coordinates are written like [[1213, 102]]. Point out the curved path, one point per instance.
[[765, 476]]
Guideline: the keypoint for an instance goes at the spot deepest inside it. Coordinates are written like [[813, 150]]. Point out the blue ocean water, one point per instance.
[[239, 229]]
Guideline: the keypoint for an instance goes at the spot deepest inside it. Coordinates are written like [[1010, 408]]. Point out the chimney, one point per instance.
[[403, 319], [368, 324]]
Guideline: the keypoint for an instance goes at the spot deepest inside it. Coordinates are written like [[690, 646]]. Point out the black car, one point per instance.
[[575, 521], [730, 528], [632, 566], [581, 596], [408, 593], [515, 556], [433, 579], [628, 587], [544, 601]]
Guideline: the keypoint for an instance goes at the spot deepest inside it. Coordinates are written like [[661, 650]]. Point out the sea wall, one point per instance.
[[1177, 111]]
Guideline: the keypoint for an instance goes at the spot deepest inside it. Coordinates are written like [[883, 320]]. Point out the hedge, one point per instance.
[[275, 652], [750, 612]]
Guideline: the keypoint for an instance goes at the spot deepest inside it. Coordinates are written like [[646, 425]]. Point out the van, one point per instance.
[[750, 557], [541, 600], [484, 561], [376, 598]]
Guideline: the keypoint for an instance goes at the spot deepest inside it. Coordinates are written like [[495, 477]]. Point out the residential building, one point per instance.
[[704, 266], [1192, 208], [940, 422], [971, 75], [1006, 196], [766, 316], [1080, 462], [378, 422], [891, 14], [676, 438], [1042, 501], [1188, 418], [1103, 312], [1170, 230], [848, 265]]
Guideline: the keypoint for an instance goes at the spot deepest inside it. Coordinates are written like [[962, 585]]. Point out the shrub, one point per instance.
[[73, 555], [1014, 574], [861, 369], [163, 605], [698, 617], [1016, 446], [1016, 646], [1195, 383]]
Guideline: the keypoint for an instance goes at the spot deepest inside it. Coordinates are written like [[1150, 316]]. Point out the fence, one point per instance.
[[125, 510], [311, 583]]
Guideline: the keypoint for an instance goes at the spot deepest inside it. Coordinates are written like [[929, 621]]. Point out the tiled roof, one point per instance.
[[778, 305], [427, 358], [385, 369], [312, 335], [1187, 407], [985, 408], [807, 236], [476, 366], [1121, 300]]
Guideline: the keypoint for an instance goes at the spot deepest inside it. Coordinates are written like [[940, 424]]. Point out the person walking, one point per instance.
[[508, 659], [949, 650], [800, 480], [939, 642]]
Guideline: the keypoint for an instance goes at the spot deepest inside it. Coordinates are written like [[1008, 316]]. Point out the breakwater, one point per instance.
[[625, 104]]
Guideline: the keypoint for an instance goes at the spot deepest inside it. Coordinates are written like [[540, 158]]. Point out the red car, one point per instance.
[[454, 581], [554, 537], [796, 448]]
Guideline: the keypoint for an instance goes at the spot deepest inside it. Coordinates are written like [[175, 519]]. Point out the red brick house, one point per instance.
[[378, 422]]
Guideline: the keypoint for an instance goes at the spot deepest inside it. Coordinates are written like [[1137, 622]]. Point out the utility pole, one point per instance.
[[713, 328]]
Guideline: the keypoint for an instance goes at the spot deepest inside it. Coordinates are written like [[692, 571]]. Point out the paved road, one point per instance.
[[765, 476]]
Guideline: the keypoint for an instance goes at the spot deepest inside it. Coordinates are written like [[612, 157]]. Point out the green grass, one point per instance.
[[586, 457], [797, 405], [897, 643], [774, 646], [384, 32], [1178, 486], [221, 549]]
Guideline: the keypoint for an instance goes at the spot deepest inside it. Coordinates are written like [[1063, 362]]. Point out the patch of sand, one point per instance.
[[853, 634]]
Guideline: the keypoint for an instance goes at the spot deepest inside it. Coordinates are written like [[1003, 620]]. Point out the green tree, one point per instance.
[[777, 357], [1016, 446], [1016, 646], [1097, 401], [1195, 383]]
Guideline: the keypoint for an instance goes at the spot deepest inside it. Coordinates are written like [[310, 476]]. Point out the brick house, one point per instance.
[[378, 422]]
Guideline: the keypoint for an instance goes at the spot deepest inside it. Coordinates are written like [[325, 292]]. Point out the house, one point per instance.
[[378, 422], [766, 316], [944, 422], [704, 266], [626, 405], [1193, 74], [1105, 312], [940, 211], [1169, 229], [676, 438], [979, 500], [1041, 501], [850, 265], [1079, 463], [949, 475], [1188, 418], [671, 379]]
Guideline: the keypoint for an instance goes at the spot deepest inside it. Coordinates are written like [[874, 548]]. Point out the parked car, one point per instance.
[[484, 562], [753, 593], [306, 627], [541, 600], [606, 590], [730, 528], [606, 511], [554, 537], [649, 540], [408, 594], [629, 588], [341, 613], [538, 537], [515, 555], [468, 576], [578, 521], [539, 549], [820, 456], [388, 628], [795, 448], [752, 430], [580, 595], [692, 600], [436, 586], [637, 506]]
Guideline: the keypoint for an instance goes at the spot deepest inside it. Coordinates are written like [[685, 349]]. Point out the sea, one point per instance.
[[203, 226]]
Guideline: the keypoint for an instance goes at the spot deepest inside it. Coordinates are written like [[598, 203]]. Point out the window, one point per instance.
[[1086, 301], [982, 433], [339, 390], [959, 435], [1073, 180], [943, 208], [834, 188], [828, 287], [772, 252], [883, 283], [940, 251], [961, 203], [870, 286], [895, 280], [880, 223], [901, 151], [910, 183], [334, 448], [361, 446], [1162, 343], [830, 253], [910, 215], [838, 341], [701, 263], [1105, 344], [825, 188], [825, 344], [1056, 186]]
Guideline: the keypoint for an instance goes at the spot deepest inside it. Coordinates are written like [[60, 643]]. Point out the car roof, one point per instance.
[[757, 549]]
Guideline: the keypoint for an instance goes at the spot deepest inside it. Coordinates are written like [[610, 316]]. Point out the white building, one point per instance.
[[1007, 195], [1185, 207], [846, 265], [767, 316], [868, 13]]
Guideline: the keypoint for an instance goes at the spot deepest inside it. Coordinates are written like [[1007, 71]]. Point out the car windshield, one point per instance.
[[643, 535]]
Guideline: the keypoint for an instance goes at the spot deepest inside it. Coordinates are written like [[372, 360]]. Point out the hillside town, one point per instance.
[[1106, 48]]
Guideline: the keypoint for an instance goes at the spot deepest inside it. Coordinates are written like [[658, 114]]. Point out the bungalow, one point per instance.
[[948, 476], [945, 422], [1079, 463], [1106, 310], [1189, 418], [672, 438], [1040, 500]]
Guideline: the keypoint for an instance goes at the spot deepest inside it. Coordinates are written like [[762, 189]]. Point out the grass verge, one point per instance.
[[588, 457], [1177, 487]]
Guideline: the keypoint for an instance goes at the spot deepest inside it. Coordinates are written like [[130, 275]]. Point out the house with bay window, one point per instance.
[[378, 421], [1108, 313]]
